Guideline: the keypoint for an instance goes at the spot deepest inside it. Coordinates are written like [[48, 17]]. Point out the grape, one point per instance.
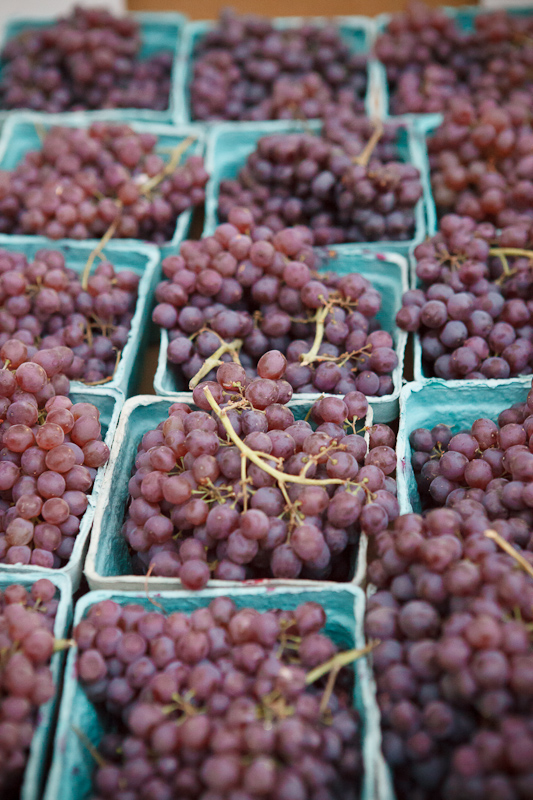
[[217, 739]]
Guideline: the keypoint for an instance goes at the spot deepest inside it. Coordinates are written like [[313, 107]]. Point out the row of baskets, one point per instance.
[[106, 559], [80, 724], [174, 33]]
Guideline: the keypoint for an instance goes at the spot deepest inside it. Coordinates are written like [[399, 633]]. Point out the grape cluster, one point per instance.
[[487, 463], [87, 60], [216, 704], [454, 668], [245, 68], [44, 305], [26, 644], [430, 59], [480, 159], [50, 451], [342, 189], [473, 308], [247, 290], [248, 491], [107, 178]]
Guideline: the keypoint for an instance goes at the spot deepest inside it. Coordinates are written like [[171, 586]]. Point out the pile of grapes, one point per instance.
[[106, 179], [26, 646], [50, 451], [454, 668], [245, 68], [472, 310], [348, 184], [241, 489], [453, 612], [44, 305], [225, 702], [245, 290], [430, 59], [481, 162], [87, 60]]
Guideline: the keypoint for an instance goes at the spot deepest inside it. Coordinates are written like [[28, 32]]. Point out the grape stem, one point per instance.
[[281, 477], [109, 377], [364, 156], [338, 661], [99, 247], [510, 550], [308, 358], [63, 644], [170, 166], [84, 739], [215, 360], [510, 251]]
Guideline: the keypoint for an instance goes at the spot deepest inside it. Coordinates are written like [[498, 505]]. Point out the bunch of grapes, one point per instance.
[[347, 184], [247, 290], [454, 669], [107, 178], [26, 645], [50, 451], [491, 463], [473, 308], [481, 161], [86, 60], [44, 305], [430, 59], [248, 491], [219, 703], [247, 69]]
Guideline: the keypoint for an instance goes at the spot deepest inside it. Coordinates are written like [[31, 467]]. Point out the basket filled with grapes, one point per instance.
[[245, 290], [73, 179], [456, 439], [91, 64], [247, 67], [55, 443], [350, 179], [470, 311], [238, 487], [298, 657], [98, 306], [426, 57], [453, 599], [35, 616]]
